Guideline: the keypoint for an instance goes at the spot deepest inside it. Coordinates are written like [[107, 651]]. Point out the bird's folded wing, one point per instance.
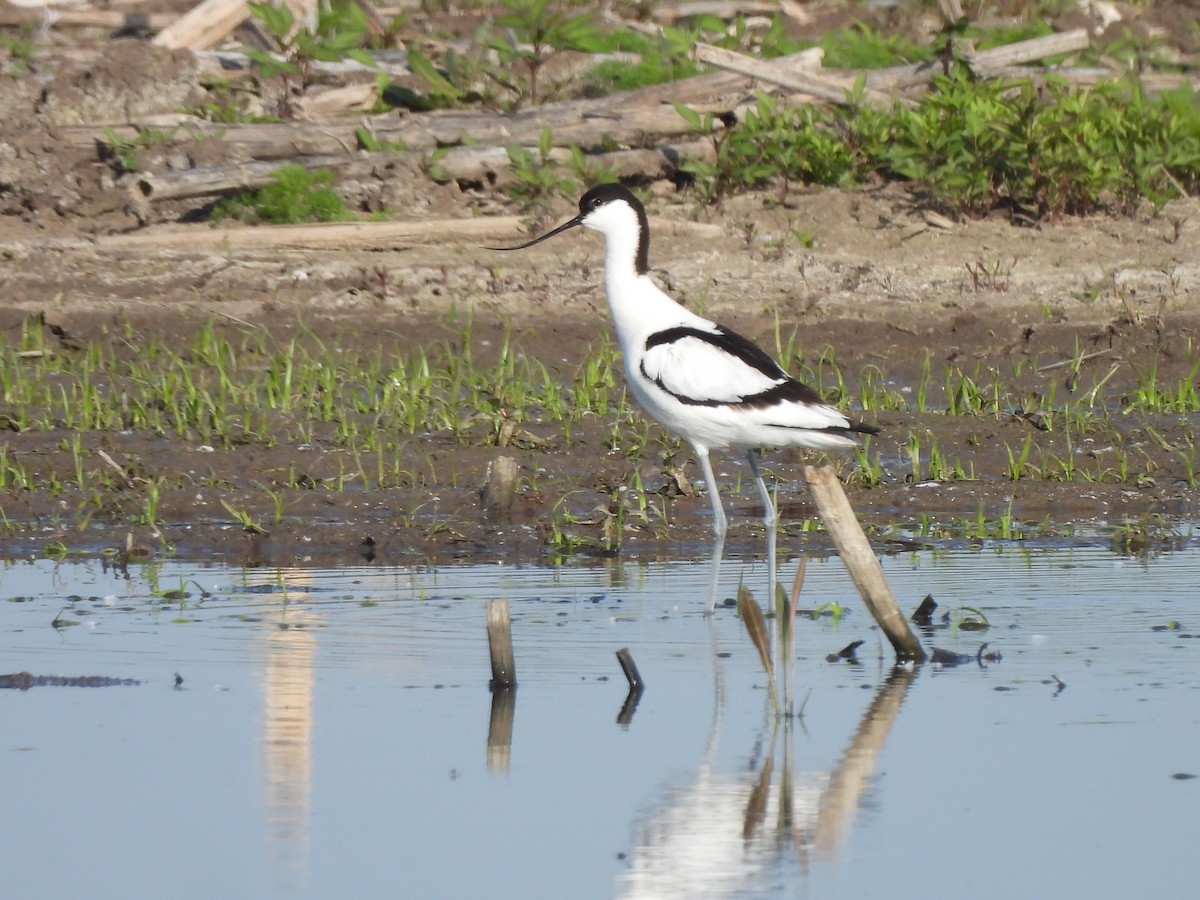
[[695, 369]]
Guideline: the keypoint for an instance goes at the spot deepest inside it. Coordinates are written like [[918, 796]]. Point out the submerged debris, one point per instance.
[[948, 659], [23, 681], [849, 652], [924, 613]]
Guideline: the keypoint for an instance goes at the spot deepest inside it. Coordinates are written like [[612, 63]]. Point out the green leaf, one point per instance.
[[362, 56], [277, 19], [425, 70], [270, 65], [688, 115]]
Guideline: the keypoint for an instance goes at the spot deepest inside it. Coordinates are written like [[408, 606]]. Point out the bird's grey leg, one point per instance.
[[719, 525], [769, 519]]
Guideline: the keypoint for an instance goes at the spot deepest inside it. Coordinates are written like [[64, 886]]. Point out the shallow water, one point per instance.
[[331, 735]]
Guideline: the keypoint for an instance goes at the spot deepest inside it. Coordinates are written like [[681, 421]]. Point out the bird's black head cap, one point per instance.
[[603, 194], [595, 199]]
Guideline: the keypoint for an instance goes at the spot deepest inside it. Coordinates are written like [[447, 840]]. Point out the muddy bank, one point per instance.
[[616, 486]]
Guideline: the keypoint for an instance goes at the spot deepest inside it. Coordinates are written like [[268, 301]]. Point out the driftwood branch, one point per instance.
[[834, 88], [822, 85], [632, 128], [225, 61], [629, 667], [721, 9], [85, 18], [204, 26], [339, 99], [490, 165], [499, 487], [361, 235], [376, 23], [206, 182], [984, 63]]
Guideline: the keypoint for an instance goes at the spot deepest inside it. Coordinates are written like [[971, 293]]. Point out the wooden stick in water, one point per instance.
[[499, 631], [860, 560], [629, 667], [499, 487]]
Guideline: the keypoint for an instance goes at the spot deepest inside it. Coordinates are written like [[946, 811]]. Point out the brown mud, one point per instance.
[[868, 276]]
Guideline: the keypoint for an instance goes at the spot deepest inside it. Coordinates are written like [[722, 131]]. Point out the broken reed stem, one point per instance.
[[797, 587], [756, 627], [787, 637], [112, 464], [861, 562], [629, 667], [500, 647]]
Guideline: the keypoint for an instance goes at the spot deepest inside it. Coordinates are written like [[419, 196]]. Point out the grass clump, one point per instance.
[[341, 30], [295, 194], [792, 143], [533, 32], [863, 47], [18, 50], [660, 58]]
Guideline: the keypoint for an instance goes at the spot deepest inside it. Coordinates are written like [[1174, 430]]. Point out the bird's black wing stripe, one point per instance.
[[849, 431], [786, 391], [790, 391], [729, 341]]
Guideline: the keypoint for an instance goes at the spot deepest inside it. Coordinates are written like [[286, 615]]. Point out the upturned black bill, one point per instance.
[[549, 234]]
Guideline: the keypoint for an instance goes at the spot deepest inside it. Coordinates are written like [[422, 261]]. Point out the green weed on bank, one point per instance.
[[295, 194], [971, 147]]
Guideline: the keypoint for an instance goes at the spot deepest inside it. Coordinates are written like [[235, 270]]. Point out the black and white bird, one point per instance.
[[707, 384]]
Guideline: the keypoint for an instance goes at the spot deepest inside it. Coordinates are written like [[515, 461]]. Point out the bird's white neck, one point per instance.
[[639, 308], [621, 246]]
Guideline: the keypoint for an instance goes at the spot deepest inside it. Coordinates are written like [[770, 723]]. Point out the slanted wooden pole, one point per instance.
[[629, 667], [636, 687], [860, 560], [499, 631]]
